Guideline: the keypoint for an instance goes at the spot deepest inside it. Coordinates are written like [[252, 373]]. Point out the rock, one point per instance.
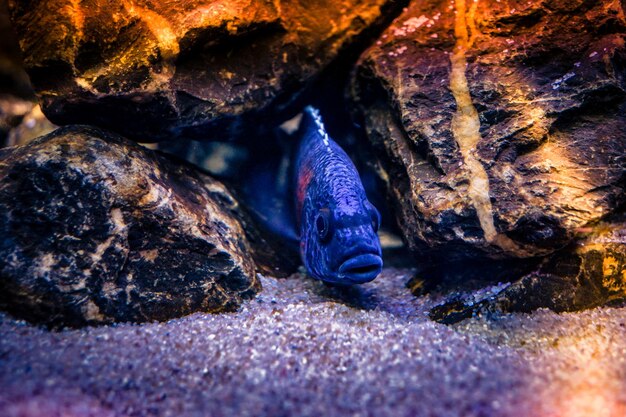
[[500, 132], [589, 273], [95, 229], [160, 70]]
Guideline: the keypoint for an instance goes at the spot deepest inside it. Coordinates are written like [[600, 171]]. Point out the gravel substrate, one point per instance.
[[303, 349]]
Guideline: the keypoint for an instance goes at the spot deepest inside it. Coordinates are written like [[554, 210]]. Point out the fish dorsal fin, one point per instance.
[[312, 122]]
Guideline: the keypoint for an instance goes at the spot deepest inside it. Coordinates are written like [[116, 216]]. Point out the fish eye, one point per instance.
[[323, 225], [375, 216]]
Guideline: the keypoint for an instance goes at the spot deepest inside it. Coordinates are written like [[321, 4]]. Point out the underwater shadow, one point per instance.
[[355, 296]]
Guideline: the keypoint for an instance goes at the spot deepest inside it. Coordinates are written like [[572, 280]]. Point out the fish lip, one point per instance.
[[357, 251], [372, 261]]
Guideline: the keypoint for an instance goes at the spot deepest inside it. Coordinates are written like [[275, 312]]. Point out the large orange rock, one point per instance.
[[500, 124], [163, 69]]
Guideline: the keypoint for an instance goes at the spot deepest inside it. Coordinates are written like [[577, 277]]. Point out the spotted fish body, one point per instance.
[[337, 224]]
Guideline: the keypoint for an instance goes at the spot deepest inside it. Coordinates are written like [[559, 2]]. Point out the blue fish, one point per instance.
[[337, 223], [319, 204]]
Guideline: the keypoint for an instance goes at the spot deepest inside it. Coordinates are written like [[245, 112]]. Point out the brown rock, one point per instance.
[[589, 273], [500, 125], [156, 70], [95, 229]]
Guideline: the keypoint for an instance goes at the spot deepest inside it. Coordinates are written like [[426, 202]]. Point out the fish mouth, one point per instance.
[[361, 268]]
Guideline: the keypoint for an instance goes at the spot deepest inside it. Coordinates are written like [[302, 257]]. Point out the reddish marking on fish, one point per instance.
[[304, 179]]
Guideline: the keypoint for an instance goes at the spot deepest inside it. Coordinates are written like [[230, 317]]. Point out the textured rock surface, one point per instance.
[[300, 349], [500, 124], [95, 229], [589, 273], [154, 70]]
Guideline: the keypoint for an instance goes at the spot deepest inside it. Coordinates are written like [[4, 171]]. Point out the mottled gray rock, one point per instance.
[[500, 125], [95, 229], [160, 70]]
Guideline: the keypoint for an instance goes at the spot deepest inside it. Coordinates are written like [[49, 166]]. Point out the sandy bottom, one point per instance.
[[302, 349]]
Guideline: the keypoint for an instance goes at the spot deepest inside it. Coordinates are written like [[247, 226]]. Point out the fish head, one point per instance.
[[339, 242]]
